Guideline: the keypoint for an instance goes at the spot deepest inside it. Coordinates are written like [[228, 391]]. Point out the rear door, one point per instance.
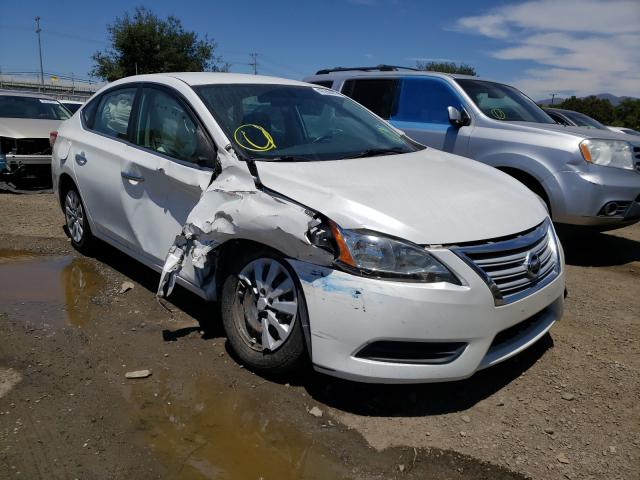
[[170, 169], [98, 151]]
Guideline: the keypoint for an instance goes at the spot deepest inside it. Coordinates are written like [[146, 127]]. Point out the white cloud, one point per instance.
[[579, 46]]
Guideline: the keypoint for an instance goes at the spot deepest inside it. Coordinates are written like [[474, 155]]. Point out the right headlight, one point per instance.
[[373, 254], [608, 153]]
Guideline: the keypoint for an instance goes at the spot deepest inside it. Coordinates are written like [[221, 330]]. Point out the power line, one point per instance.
[[254, 62], [38, 30]]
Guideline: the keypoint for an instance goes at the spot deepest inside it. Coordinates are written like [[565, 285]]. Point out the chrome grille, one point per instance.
[[636, 155], [516, 267]]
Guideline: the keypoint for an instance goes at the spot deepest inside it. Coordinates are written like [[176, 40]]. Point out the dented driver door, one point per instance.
[[162, 180]]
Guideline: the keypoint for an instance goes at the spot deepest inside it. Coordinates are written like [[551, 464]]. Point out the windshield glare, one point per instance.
[[28, 107], [502, 102], [297, 123]]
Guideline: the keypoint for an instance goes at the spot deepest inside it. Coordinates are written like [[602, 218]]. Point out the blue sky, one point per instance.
[[542, 46]]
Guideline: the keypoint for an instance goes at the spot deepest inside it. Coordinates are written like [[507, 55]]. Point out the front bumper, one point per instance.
[[14, 162], [586, 193], [348, 312]]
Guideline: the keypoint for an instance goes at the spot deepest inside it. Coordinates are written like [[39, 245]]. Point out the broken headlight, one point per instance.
[[374, 254]]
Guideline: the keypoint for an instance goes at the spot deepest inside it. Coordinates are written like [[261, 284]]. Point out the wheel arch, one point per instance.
[[224, 258], [531, 182], [65, 182]]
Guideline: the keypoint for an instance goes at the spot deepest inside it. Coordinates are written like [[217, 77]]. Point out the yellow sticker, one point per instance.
[[498, 113], [243, 135]]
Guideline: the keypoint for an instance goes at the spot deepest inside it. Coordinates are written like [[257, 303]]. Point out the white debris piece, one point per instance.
[[138, 374]]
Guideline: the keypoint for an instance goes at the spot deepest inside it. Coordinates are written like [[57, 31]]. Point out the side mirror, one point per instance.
[[455, 117]]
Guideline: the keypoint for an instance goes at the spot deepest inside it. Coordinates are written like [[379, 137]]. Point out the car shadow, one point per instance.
[[418, 400], [595, 249], [205, 313]]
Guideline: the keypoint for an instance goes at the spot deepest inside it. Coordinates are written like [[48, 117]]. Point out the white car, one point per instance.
[[26, 121], [324, 232], [628, 131]]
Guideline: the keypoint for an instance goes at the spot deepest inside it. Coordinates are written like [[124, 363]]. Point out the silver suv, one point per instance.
[[586, 177]]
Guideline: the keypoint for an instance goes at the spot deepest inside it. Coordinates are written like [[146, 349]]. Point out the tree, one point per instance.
[[145, 43], [446, 67], [627, 113], [600, 109]]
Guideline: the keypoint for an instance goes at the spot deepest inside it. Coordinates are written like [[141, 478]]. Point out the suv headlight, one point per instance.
[[374, 254], [608, 153]]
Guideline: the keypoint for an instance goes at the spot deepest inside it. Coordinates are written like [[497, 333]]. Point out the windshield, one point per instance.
[[582, 120], [502, 102], [297, 123], [28, 107]]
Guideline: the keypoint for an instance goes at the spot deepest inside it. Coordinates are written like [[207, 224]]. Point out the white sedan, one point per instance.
[[325, 234]]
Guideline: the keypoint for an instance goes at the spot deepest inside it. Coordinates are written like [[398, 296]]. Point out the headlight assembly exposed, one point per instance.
[[374, 254], [608, 153]]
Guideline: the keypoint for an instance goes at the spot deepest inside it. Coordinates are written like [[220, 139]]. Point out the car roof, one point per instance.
[[343, 74], [207, 78], [16, 93]]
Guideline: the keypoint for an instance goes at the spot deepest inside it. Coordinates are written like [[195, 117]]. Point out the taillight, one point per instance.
[[52, 138]]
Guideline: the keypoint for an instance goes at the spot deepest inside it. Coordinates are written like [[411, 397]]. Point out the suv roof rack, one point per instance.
[[381, 68]]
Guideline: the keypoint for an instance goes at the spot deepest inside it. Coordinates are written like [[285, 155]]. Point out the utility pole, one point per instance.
[[254, 62], [553, 96], [38, 30]]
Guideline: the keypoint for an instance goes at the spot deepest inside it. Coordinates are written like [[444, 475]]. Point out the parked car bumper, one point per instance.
[[601, 197], [13, 162], [348, 313]]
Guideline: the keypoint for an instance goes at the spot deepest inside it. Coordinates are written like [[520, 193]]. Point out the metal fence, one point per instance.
[[62, 87]]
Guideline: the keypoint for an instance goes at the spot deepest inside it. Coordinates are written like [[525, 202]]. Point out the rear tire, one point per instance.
[[76, 221], [262, 313]]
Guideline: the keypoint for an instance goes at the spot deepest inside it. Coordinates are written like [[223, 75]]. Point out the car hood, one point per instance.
[[27, 127], [427, 197], [582, 132]]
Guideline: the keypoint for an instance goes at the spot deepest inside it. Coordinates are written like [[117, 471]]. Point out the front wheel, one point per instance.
[[262, 313]]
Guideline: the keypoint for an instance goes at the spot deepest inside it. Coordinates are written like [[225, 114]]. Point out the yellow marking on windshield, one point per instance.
[[241, 137], [498, 113]]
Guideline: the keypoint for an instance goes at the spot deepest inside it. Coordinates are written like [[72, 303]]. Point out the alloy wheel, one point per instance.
[[266, 304], [74, 215]]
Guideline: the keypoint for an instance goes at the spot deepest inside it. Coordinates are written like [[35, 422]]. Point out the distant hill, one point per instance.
[[605, 96]]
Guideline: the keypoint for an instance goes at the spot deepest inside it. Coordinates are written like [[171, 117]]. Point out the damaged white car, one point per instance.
[[324, 232]]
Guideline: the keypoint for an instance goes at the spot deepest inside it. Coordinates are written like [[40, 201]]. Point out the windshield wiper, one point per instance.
[[374, 152], [284, 158]]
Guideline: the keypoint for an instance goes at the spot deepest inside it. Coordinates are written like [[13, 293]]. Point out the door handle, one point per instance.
[[80, 158], [133, 178]]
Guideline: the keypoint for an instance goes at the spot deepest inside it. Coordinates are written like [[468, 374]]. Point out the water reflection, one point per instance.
[[202, 430], [48, 290]]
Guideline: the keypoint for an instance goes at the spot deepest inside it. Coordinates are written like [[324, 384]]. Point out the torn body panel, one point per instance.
[[223, 215]]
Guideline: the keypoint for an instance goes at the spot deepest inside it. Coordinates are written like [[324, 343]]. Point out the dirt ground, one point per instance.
[[566, 408]]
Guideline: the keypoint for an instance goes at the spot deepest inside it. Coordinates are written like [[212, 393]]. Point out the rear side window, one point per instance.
[[425, 100], [113, 112], [165, 126], [378, 95]]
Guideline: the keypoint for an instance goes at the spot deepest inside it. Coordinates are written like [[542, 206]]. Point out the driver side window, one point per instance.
[[165, 126]]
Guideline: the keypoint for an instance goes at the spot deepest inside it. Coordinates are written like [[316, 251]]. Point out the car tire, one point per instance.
[[275, 303], [77, 224]]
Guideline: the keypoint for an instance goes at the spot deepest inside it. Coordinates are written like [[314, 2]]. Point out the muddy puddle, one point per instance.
[[202, 430], [48, 291]]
